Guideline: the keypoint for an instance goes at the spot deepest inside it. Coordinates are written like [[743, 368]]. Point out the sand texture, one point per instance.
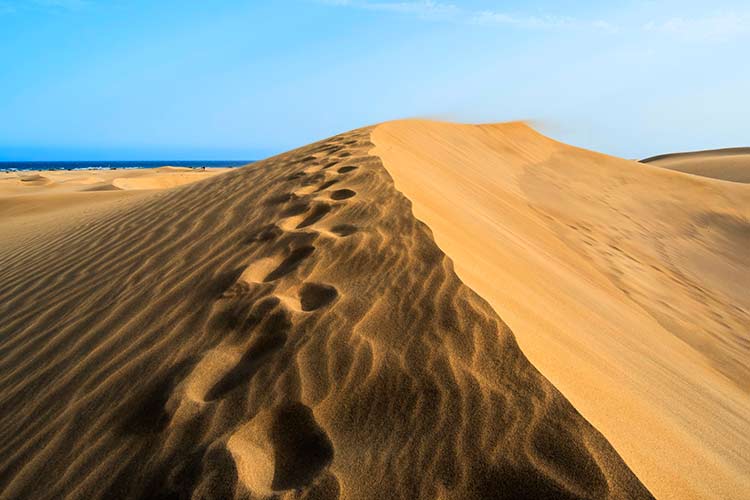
[[289, 330], [732, 164], [625, 284]]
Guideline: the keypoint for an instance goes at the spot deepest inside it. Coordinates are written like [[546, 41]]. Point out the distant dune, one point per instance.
[[290, 329], [30, 202], [625, 284], [732, 164]]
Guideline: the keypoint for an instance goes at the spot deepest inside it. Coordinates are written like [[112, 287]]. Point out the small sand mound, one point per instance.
[[102, 187], [34, 180]]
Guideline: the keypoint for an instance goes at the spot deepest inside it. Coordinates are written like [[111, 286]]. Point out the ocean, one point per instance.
[[14, 166]]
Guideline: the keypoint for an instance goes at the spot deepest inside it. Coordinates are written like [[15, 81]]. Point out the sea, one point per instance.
[[17, 166]]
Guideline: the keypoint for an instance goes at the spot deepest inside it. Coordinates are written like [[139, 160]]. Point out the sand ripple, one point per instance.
[[288, 329]]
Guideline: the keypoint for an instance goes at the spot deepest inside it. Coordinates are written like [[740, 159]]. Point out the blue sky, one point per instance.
[[95, 79]]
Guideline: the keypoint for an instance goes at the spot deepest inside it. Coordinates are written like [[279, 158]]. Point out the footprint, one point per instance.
[[342, 194], [295, 176], [271, 339], [329, 150], [326, 184], [238, 318], [347, 168], [304, 191], [253, 273], [284, 450], [301, 448], [313, 178], [212, 367], [291, 263], [266, 233], [291, 223], [329, 165], [318, 211], [316, 295], [297, 209], [282, 198], [239, 288], [146, 411], [344, 229]]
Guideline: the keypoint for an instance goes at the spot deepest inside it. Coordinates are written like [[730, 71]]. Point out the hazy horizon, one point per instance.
[[88, 80]]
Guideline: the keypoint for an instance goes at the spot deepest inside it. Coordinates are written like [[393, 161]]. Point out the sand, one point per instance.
[[31, 202], [624, 283], [732, 164], [286, 329]]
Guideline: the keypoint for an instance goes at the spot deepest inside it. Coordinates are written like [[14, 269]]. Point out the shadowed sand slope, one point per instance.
[[625, 285], [287, 328], [732, 164]]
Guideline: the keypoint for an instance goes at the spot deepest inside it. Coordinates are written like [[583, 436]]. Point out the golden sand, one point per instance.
[[625, 284], [732, 164], [290, 329]]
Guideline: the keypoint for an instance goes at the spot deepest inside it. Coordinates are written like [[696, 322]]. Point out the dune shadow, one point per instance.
[[271, 339], [146, 413], [344, 229], [318, 212], [326, 184], [342, 194], [316, 295], [291, 263], [302, 449]]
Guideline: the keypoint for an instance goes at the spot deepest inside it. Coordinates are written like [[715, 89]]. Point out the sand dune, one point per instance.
[[82, 180], [732, 164], [32, 202], [288, 328], [625, 284]]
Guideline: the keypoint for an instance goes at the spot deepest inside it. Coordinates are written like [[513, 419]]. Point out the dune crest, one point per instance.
[[625, 284], [288, 328], [731, 164]]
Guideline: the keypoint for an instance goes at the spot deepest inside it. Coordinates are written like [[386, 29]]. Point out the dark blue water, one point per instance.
[[12, 166]]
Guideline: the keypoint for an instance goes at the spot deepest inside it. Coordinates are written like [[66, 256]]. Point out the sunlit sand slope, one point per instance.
[[731, 164], [33, 201], [625, 284], [286, 329]]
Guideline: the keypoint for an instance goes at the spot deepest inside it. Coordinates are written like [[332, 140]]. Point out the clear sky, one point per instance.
[[96, 79]]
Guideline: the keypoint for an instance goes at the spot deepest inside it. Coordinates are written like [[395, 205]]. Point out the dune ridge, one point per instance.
[[729, 164], [624, 283], [288, 328]]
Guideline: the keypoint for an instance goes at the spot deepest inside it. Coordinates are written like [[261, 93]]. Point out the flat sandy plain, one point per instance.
[[327, 323]]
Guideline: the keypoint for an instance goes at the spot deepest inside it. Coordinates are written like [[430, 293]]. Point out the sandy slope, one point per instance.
[[732, 164], [625, 285], [286, 328]]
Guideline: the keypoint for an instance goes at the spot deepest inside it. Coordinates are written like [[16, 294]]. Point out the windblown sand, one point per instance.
[[625, 284], [286, 329]]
